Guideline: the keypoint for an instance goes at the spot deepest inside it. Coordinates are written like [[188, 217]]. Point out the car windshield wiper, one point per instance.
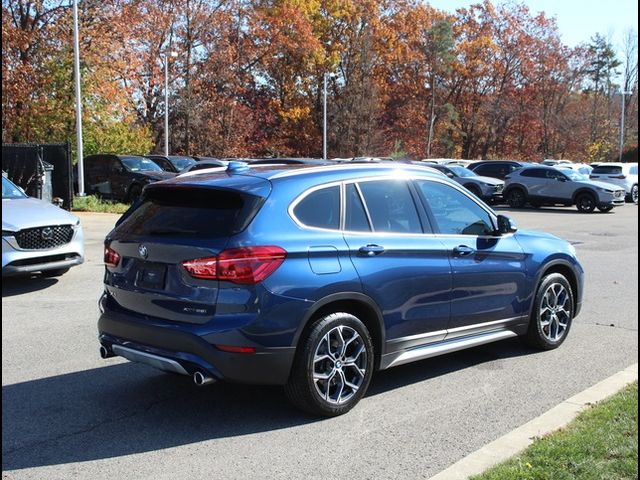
[[169, 231]]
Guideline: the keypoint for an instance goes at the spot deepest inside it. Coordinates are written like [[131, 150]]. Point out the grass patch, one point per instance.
[[91, 203], [600, 444]]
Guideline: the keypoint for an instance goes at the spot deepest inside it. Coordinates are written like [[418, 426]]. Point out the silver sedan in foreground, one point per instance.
[[37, 236]]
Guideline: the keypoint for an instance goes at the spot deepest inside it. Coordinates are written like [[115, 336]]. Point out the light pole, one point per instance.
[[76, 74], [324, 114], [624, 95], [167, 57]]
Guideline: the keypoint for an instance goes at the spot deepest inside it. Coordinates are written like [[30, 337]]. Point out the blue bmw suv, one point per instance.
[[313, 277]]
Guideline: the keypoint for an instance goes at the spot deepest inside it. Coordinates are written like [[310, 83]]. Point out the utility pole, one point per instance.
[[624, 95], [324, 118], [167, 56]]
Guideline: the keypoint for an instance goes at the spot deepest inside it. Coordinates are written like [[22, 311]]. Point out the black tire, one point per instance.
[[516, 198], [304, 391], [54, 273], [473, 189], [134, 193], [633, 196], [536, 335], [606, 209], [586, 202]]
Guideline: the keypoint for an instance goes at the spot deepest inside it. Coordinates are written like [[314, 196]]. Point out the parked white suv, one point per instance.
[[541, 185], [624, 175]]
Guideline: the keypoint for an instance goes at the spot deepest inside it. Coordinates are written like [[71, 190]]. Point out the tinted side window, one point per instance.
[[534, 172], [454, 212], [487, 170], [320, 209], [633, 170], [391, 206], [356, 218]]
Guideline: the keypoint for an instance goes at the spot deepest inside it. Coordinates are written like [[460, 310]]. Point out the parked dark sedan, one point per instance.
[[120, 177]]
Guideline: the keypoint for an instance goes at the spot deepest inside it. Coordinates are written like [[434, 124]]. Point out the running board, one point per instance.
[[433, 350], [162, 363]]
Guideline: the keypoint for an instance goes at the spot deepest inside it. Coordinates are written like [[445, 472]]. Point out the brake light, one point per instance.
[[111, 257], [593, 176], [234, 349], [619, 177], [247, 266]]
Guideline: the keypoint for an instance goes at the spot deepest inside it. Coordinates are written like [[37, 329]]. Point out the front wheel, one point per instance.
[[552, 312], [516, 198], [586, 203], [605, 209], [333, 366], [634, 194]]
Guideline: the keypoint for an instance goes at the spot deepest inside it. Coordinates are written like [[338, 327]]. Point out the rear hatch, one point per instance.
[[608, 174], [150, 254]]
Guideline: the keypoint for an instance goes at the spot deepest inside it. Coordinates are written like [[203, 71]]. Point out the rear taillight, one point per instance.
[[111, 257], [247, 266], [619, 177], [593, 176]]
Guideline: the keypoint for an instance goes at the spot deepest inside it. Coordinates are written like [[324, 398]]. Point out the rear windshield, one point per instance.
[[607, 169], [191, 213]]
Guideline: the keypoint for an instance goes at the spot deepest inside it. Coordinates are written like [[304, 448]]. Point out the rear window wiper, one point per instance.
[[169, 231]]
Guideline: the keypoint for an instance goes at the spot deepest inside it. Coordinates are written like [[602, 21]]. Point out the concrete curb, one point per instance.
[[517, 440]]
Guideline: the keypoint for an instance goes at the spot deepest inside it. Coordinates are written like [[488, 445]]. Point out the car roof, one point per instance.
[[315, 174]]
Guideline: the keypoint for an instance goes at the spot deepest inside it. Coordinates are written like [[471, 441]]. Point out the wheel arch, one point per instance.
[[580, 191], [565, 269], [354, 303]]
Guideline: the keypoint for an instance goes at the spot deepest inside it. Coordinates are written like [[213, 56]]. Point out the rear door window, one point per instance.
[[356, 217], [391, 206], [197, 213], [320, 209]]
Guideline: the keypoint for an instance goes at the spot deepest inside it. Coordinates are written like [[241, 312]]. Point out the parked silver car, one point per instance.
[[37, 236], [542, 185]]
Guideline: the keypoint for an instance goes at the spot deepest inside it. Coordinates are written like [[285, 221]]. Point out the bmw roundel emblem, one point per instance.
[[142, 250]]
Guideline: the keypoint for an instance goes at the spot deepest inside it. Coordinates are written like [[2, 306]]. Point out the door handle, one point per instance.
[[371, 249], [462, 251]]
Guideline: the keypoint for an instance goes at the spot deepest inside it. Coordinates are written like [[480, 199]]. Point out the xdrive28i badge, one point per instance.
[[142, 250]]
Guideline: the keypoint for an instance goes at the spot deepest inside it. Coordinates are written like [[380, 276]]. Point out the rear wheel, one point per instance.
[[333, 366], [552, 313], [516, 198], [586, 203], [634, 194]]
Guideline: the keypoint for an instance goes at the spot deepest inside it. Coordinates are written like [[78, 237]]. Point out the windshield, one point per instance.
[[9, 190], [182, 163], [461, 171], [139, 164]]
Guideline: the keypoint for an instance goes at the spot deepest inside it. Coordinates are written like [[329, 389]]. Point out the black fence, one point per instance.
[[29, 166]]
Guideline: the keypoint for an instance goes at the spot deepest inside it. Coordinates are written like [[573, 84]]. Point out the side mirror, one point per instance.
[[506, 225]]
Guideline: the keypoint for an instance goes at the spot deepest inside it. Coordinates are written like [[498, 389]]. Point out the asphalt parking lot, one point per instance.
[[68, 413]]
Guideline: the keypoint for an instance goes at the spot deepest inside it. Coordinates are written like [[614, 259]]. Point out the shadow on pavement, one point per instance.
[[13, 286], [127, 408]]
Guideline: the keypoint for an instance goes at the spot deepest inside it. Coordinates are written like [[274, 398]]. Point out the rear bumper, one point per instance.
[[267, 366]]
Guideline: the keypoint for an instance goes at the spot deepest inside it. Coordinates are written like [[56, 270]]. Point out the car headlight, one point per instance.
[[606, 190]]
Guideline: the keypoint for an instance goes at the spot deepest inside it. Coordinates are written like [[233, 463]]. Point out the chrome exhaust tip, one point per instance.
[[201, 379], [105, 352]]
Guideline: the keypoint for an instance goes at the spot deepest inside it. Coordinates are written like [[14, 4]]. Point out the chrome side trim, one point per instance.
[[155, 361], [420, 336], [481, 327], [454, 345]]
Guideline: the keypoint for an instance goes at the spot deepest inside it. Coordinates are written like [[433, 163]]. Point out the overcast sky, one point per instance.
[[578, 20]]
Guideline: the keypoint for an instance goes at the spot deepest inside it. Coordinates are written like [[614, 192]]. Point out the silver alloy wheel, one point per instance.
[[339, 364], [634, 194], [554, 315]]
